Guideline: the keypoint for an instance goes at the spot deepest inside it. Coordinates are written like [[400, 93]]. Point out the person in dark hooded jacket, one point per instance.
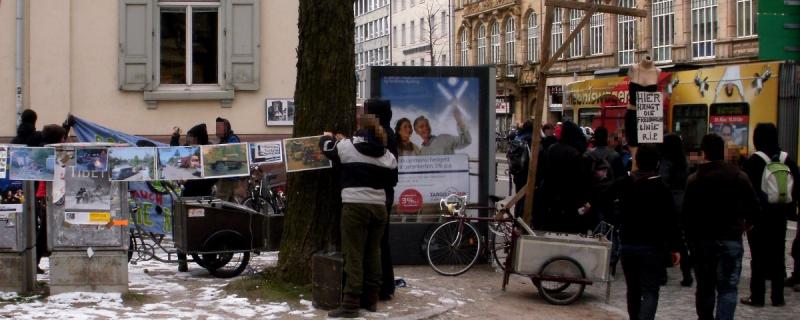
[[566, 183], [382, 109], [367, 169], [197, 135]]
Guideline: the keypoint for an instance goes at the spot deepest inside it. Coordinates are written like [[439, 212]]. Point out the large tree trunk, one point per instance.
[[324, 101]]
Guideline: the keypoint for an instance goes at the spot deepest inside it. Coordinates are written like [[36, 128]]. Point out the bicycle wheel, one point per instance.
[[255, 204], [453, 248], [560, 292], [500, 242]]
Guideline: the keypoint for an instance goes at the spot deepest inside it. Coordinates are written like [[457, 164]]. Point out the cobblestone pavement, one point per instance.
[[479, 296]]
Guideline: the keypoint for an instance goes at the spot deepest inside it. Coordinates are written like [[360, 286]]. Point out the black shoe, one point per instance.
[[687, 282], [348, 308], [750, 302], [778, 304]]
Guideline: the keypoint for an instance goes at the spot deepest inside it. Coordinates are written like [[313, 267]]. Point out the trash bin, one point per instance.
[[18, 240], [87, 222]]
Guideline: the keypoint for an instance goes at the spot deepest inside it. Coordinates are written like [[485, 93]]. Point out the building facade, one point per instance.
[[372, 40], [146, 66], [421, 33], [508, 34]]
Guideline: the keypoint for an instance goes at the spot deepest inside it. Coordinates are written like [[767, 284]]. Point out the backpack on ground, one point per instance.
[[777, 181], [518, 155]]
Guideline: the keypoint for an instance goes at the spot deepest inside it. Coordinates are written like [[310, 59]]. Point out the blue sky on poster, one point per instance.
[[435, 98]]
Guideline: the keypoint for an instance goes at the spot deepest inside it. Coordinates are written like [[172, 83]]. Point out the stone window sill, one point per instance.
[[225, 97]]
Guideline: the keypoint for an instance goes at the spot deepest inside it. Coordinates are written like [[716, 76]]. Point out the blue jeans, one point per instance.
[[643, 267], [718, 265]]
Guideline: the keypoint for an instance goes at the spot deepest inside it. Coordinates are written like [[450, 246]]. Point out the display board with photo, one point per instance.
[[30, 163], [280, 112], [225, 160], [304, 154], [91, 159], [179, 163], [3, 162], [266, 152], [132, 164], [11, 192]]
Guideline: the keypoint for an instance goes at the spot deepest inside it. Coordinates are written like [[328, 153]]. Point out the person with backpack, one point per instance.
[[772, 174]]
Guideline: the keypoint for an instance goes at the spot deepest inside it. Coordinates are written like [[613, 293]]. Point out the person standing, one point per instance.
[[518, 158], [566, 183], [649, 232], [718, 202], [227, 187], [767, 237], [367, 170], [382, 109], [674, 171]]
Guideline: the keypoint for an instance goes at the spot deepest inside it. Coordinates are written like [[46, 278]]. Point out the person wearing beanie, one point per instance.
[[26, 131], [227, 188]]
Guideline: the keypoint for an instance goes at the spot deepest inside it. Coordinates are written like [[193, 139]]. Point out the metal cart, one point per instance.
[[559, 264]]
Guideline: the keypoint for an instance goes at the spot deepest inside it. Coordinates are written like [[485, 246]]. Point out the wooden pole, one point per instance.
[[538, 105]]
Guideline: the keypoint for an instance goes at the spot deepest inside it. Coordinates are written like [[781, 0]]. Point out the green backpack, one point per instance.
[[777, 181]]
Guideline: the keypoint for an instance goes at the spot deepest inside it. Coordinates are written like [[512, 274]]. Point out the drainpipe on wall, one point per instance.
[[19, 57]]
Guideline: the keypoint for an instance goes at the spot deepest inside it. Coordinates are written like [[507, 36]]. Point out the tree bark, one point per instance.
[[325, 96]]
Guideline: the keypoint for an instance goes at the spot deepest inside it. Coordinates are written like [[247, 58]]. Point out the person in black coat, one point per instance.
[[649, 233], [382, 109], [767, 237], [674, 170], [566, 183]]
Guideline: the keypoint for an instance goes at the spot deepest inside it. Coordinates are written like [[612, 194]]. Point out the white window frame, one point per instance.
[[495, 43], [464, 47], [745, 19], [189, 86], [663, 30], [511, 44], [626, 35], [481, 36], [704, 24], [596, 32], [533, 37], [576, 46], [557, 36]]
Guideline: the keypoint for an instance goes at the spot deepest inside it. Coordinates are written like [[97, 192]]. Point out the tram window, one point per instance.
[[589, 117], [690, 122], [731, 121]]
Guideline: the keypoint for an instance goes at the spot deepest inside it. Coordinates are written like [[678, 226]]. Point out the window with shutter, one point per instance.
[[190, 50]]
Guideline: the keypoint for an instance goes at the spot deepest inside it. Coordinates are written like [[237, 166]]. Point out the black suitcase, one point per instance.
[[327, 279]]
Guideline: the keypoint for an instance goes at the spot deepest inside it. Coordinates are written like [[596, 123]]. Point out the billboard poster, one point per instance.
[[442, 118], [304, 154], [132, 164], [280, 112], [87, 190], [179, 163], [11, 192], [9, 214]]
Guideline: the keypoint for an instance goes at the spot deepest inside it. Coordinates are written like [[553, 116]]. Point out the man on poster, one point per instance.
[[443, 144]]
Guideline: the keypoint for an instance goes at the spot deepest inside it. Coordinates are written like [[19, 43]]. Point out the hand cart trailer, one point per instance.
[[218, 235], [559, 264]]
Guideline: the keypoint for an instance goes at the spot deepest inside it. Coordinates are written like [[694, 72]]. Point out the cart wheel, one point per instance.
[[198, 260], [500, 242], [225, 265], [558, 292]]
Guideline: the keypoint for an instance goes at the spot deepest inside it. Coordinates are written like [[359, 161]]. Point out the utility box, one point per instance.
[[18, 241], [87, 222]]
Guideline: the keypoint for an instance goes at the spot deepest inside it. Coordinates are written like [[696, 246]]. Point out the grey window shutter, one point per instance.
[[135, 44], [242, 44]]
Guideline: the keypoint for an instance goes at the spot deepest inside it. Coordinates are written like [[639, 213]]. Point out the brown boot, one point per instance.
[[369, 299], [348, 308]]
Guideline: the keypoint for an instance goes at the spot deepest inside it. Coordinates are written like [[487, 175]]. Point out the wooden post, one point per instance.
[[544, 66]]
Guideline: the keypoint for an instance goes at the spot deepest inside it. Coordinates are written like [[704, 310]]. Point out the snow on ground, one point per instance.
[[166, 294]]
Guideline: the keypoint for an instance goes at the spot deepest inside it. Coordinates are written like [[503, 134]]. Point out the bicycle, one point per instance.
[[262, 195], [454, 246]]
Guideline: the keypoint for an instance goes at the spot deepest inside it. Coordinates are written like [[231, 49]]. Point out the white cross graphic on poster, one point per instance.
[[650, 117]]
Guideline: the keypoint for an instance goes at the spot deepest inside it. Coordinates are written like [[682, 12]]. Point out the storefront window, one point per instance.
[[690, 122]]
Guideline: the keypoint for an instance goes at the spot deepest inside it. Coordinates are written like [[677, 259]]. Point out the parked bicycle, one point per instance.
[[455, 245], [262, 195]]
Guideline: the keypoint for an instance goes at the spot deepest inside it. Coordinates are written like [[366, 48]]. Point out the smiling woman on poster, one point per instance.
[[403, 131], [443, 144]]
